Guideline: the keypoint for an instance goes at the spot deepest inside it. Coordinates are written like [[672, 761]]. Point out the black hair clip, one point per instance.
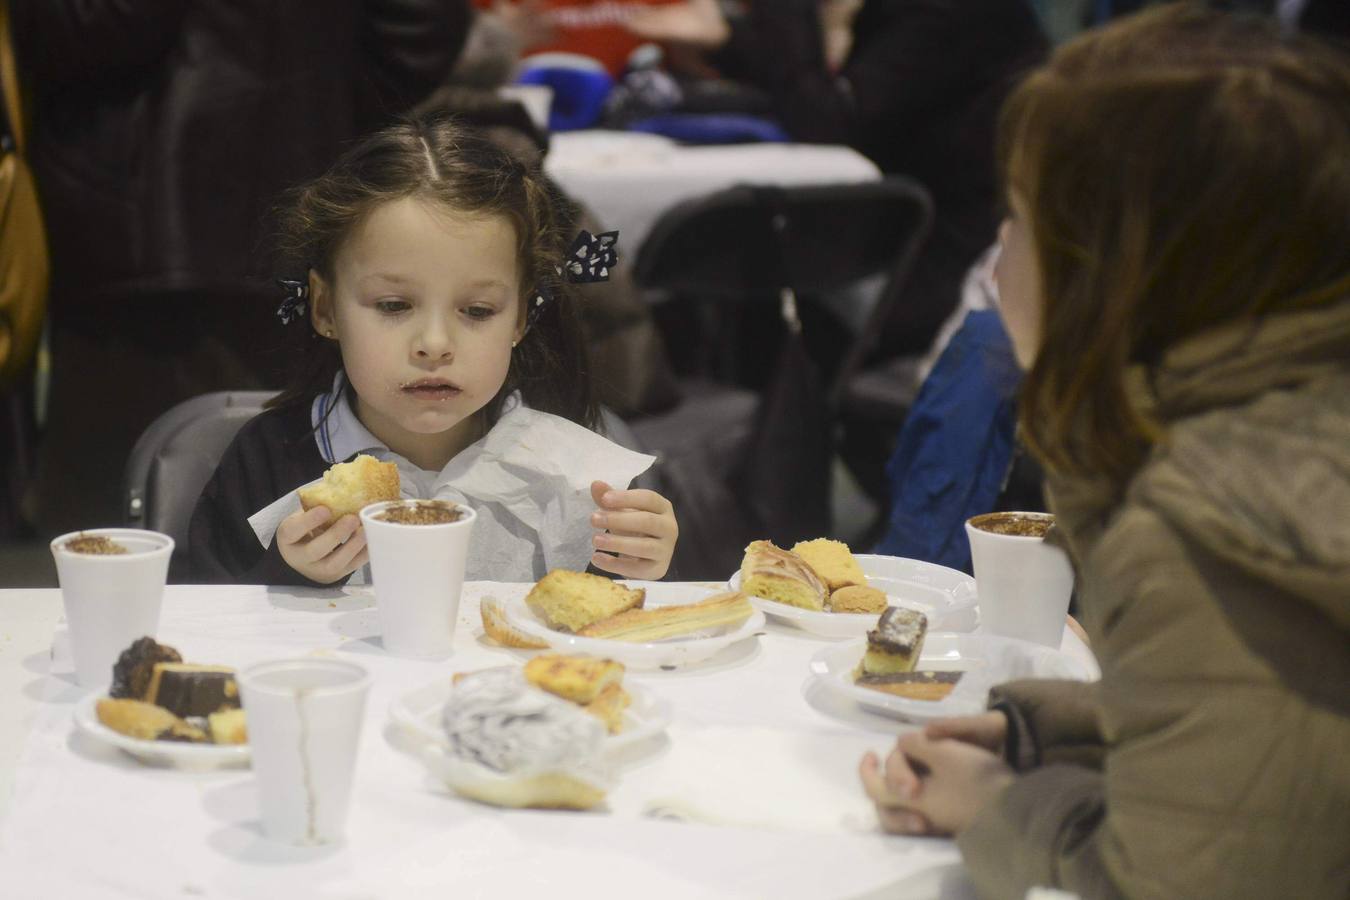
[[297, 300], [591, 257], [588, 262]]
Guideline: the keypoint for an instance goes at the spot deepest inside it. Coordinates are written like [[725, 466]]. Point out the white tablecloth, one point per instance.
[[755, 753], [629, 179]]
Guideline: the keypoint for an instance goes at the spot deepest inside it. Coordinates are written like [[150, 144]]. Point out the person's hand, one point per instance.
[[637, 532], [986, 730], [696, 22], [932, 787], [321, 551]]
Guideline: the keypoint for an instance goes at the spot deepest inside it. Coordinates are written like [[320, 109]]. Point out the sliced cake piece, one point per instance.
[[926, 685], [857, 598], [894, 645], [642, 625], [228, 726], [775, 574], [580, 679], [187, 689], [832, 561], [569, 601]]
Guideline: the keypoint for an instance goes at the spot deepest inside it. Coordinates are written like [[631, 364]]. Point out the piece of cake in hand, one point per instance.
[[895, 644], [775, 574], [352, 486], [569, 601], [832, 561], [857, 598]]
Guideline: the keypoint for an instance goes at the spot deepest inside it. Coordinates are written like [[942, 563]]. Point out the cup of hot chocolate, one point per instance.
[[1024, 583], [418, 550], [112, 585]]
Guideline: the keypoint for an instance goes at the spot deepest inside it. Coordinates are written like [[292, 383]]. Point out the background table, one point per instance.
[[761, 763], [628, 179]]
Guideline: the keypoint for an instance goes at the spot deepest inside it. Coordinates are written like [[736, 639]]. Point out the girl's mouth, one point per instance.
[[430, 389]]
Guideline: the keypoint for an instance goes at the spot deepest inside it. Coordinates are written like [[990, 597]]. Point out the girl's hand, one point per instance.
[[322, 552], [638, 532], [932, 786]]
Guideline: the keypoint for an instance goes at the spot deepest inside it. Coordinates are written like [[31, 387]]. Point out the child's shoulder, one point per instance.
[[279, 429]]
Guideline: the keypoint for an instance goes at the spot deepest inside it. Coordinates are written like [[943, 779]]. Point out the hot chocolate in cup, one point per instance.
[[418, 549], [1024, 583], [112, 586]]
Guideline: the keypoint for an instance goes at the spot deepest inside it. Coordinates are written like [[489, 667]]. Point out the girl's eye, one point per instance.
[[480, 313], [392, 307]]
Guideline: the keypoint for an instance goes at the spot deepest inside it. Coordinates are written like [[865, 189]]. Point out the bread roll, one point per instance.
[[350, 487]]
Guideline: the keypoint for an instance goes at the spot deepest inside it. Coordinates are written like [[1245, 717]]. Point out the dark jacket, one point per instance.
[[919, 94], [164, 130], [1211, 759]]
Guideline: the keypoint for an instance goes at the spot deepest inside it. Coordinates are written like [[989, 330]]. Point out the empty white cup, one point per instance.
[[111, 599], [304, 729], [1024, 584], [418, 572]]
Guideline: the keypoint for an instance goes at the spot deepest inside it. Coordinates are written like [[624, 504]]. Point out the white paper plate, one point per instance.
[[946, 596], [987, 660], [680, 651], [171, 754], [418, 713]]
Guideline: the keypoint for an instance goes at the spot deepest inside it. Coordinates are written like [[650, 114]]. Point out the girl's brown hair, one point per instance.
[[434, 158], [1181, 169]]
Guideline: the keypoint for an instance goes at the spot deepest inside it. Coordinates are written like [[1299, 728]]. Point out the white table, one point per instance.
[[628, 179], [87, 821]]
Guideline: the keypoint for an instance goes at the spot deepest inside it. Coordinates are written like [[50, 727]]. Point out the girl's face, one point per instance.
[[426, 306], [1019, 283]]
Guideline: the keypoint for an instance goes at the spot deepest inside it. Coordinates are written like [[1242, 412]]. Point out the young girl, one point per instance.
[[1176, 278], [443, 338]]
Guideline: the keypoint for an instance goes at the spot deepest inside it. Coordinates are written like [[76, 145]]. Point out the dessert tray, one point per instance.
[[946, 596], [168, 754], [985, 661], [680, 651], [418, 714]]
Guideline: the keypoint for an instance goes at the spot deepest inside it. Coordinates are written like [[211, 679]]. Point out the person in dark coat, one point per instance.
[[163, 133], [918, 93]]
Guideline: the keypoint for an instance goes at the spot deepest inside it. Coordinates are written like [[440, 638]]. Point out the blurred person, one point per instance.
[[162, 132], [917, 91], [591, 28], [1175, 281]]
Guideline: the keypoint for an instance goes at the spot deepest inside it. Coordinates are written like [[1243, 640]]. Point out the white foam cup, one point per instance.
[[111, 600], [304, 726], [1024, 583], [418, 572]]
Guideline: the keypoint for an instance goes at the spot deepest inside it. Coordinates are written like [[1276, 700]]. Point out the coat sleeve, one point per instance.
[[222, 547], [1214, 780], [61, 41], [411, 46], [1050, 722]]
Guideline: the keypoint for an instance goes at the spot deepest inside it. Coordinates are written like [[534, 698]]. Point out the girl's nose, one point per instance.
[[434, 342]]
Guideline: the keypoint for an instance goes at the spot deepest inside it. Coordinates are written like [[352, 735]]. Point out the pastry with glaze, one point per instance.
[[775, 574], [895, 644]]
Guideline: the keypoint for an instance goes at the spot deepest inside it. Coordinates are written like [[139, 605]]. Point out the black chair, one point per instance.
[[176, 455], [743, 458]]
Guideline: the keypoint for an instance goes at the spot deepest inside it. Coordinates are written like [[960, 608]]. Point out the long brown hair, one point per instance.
[[1182, 169], [433, 157]]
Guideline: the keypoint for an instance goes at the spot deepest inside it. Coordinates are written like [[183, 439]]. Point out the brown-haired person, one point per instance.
[[163, 131], [437, 329], [1176, 279]]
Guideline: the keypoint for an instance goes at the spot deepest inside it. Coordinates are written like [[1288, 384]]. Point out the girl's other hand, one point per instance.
[[637, 532], [987, 730], [933, 786], [319, 551]]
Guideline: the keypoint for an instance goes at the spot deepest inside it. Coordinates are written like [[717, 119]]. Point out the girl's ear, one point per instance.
[[522, 323], [321, 306]]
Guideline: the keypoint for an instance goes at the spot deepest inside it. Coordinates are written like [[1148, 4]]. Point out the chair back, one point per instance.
[[174, 458]]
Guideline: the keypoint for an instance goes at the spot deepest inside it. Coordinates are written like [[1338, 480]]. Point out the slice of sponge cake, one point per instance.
[[773, 573], [569, 601], [832, 561], [349, 487]]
